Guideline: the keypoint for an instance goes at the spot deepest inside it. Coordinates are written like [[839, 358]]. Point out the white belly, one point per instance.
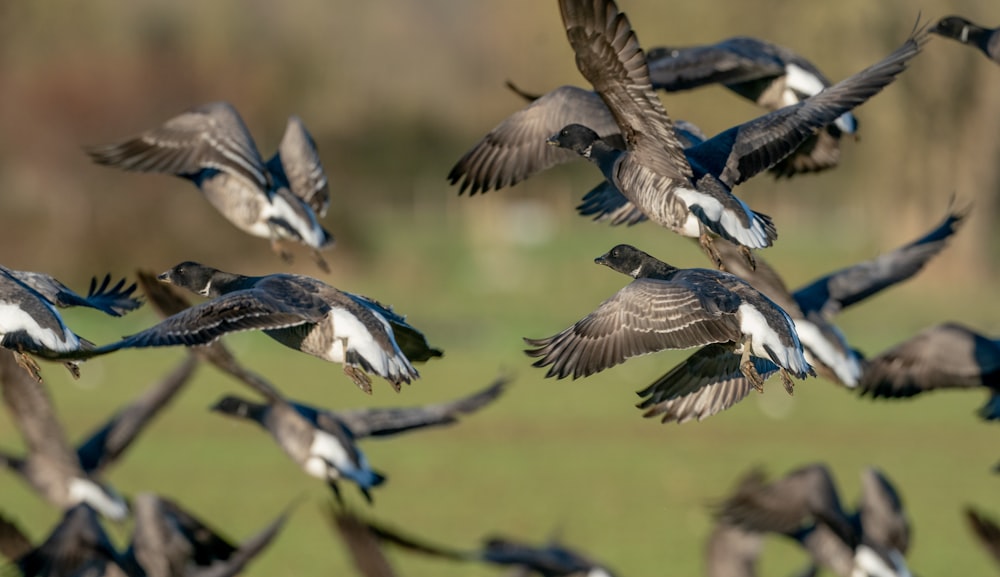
[[13, 319]]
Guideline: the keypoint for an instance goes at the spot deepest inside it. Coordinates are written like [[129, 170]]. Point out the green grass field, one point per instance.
[[572, 458]]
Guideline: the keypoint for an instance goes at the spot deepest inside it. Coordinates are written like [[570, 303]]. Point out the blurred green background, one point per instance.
[[394, 92]]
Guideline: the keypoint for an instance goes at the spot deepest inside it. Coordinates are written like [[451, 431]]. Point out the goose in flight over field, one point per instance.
[[670, 308], [515, 149], [708, 382], [689, 191], [945, 356], [317, 442], [550, 560], [30, 323], [282, 199], [298, 311], [806, 506], [768, 74]]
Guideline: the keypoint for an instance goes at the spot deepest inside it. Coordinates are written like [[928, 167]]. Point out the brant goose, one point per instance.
[[377, 421], [322, 442], [805, 506], [739, 153], [689, 192], [321, 446], [168, 540], [211, 146], [551, 560], [515, 149], [30, 323], [770, 75], [671, 308], [946, 356], [709, 382], [957, 28], [298, 311], [66, 478]]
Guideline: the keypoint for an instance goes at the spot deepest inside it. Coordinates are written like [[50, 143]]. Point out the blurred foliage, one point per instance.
[[394, 92]]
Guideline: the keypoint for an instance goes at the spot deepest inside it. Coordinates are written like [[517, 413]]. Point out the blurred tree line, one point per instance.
[[395, 91]]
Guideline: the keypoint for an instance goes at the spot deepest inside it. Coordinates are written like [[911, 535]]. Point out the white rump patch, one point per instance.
[[86, 491], [868, 563], [801, 81], [843, 364], [728, 220], [13, 318], [763, 336], [325, 450], [351, 333], [305, 225]]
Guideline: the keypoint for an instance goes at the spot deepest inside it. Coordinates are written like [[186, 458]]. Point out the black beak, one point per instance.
[[552, 140], [603, 259], [165, 277]]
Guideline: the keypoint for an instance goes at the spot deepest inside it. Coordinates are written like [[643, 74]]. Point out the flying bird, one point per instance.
[[945, 356], [770, 75], [690, 191], [805, 506], [298, 311], [670, 308], [709, 381], [31, 325], [281, 200], [553, 559]]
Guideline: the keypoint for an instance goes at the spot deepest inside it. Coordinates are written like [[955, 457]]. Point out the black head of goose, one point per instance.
[[770, 75], [211, 146], [670, 308], [30, 323], [515, 149], [298, 311], [987, 40]]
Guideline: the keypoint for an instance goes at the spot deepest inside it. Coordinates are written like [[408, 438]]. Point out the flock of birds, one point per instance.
[[744, 322]]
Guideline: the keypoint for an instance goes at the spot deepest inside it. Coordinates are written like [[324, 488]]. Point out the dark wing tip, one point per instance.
[[115, 300]]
